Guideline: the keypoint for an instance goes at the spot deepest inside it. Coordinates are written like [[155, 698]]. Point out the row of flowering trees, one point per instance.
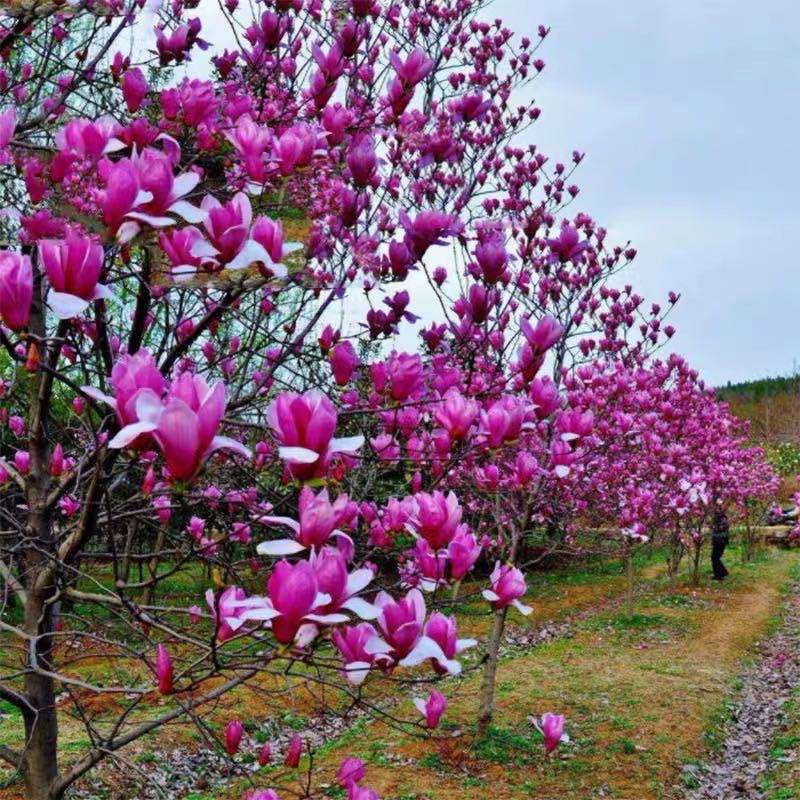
[[181, 394]]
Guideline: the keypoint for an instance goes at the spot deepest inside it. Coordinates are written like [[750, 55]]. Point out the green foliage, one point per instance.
[[784, 458]]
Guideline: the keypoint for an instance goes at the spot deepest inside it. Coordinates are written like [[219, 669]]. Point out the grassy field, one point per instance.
[[644, 695]]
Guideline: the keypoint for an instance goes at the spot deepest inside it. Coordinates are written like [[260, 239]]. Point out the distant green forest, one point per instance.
[[759, 389]]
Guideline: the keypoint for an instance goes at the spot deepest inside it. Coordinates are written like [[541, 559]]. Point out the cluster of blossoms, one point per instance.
[[204, 305]]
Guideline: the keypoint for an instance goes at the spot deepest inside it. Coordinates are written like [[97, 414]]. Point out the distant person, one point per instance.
[[720, 536]]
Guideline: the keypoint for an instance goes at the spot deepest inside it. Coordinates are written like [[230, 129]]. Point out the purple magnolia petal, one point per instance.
[[361, 608], [101, 397], [358, 580], [226, 443], [250, 253], [151, 220], [129, 433], [189, 212], [356, 672], [279, 547], [348, 444], [66, 306], [298, 455]]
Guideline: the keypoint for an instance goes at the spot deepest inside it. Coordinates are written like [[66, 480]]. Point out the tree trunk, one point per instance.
[[696, 566], [490, 670], [40, 764], [630, 576], [40, 755]]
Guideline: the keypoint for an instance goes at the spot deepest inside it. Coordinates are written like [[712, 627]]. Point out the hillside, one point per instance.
[[771, 404]]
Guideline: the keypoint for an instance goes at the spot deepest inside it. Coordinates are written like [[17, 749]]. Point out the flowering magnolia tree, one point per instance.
[[190, 388], [666, 454]]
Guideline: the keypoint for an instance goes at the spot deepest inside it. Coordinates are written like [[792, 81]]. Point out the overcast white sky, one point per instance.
[[688, 113]]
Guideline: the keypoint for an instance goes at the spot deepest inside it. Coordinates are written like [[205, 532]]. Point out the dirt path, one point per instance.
[[734, 772]]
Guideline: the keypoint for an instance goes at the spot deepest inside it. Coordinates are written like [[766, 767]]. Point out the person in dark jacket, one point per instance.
[[720, 536]]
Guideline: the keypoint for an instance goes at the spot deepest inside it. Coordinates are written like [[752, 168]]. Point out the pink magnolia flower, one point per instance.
[[456, 414], [552, 729], [508, 585], [567, 246], [294, 594], [442, 630], [573, 424], [16, 289], [164, 671], [269, 234], [352, 643], [134, 89], [351, 770], [230, 242], [416, 67], [343, 360], [402, 624], [333, 580], [304, 425], [319, 519], [462, 551], [73, 267], [561, 458], [22, 461], [177, 245], [129, 376], [265, 754], [184, 424], [251, 142], [294, 751], [428, 228], [544, 335], [120, 195], [261, 794], [89, 139], [504, 420], [432, 708], [233, 736], [8, 124], [435, 517], [233, 609], [161, 193], [544, 394]]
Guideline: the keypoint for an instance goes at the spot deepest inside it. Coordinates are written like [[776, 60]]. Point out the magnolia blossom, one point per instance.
[[435, 517], [352, 642], [164, 672], [442, 630], [333, 580], [160, 193], [508, 585], [234, 608], [184, 424], [456, 414], [293, 594], [73, 266], [16, 289], [318, 522], [304, 426], [551, 727], [8, 123], [404, 641], [90, 139], [130, 375], [232, 737], [230, 241], [432, 708]]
